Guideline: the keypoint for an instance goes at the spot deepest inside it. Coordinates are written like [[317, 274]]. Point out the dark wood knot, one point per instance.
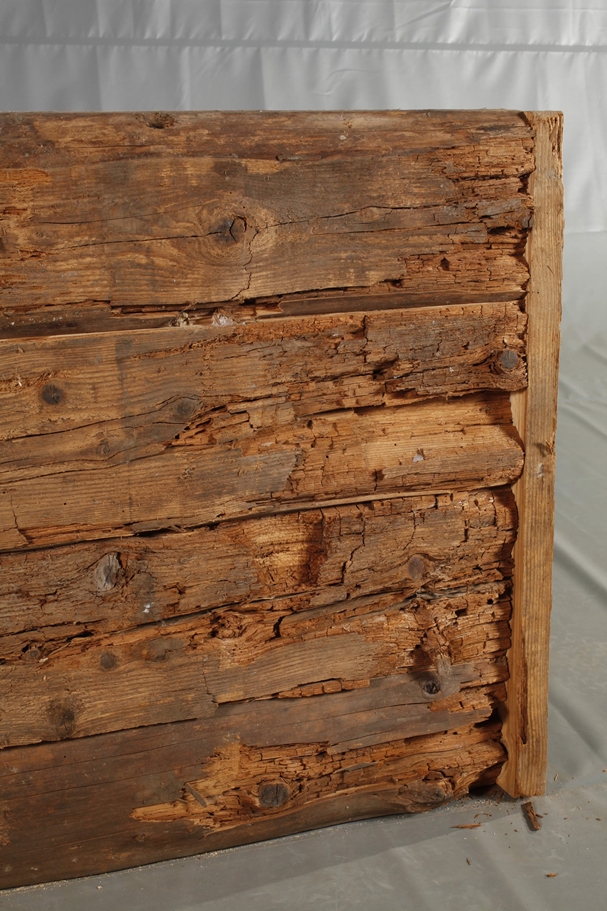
[[416, 567], [108, 661]]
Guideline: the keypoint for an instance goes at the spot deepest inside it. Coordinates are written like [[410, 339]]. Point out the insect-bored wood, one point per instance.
[[269, 469]]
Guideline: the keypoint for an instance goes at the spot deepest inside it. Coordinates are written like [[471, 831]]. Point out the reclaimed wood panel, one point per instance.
[[350, 615], [322, 556], [181, 472], [316, 363], [106, 785], [263, 416]]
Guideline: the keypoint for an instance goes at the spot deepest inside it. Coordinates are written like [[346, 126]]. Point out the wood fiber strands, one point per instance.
[[276, 436], [128, 779], [229, 220], [320, 601]]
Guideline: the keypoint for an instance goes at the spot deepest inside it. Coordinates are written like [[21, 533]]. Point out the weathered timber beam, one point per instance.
[[224, 467], [535, 412], [153, 771], [102, 316], [448, 210], [324, 556], [161, 673], [180, 375], [54, 138]]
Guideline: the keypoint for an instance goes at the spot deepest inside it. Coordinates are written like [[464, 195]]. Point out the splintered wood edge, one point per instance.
[[525, 725]]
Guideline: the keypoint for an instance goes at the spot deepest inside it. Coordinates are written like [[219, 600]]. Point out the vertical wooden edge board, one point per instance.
[[525, 731]]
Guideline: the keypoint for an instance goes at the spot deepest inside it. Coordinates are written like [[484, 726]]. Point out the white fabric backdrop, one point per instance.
[[337, 54]]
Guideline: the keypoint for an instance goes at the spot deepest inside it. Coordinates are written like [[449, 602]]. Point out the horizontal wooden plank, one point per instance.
[[233, 462], [438, 216], [273, 135], [323, 607], [160, 673], [318, 364], [156, 676], [103, 316], [156, 772], [323, 556], [283, 778]]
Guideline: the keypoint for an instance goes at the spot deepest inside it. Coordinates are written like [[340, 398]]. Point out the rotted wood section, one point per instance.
[[256, 467]]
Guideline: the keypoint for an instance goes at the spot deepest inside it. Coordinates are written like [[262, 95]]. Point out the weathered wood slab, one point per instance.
[[446, 213], [238, 460], [318, 364], [182, 671], [155, 772], [526, 724], [323, 556], [352, 613], [265, 445]]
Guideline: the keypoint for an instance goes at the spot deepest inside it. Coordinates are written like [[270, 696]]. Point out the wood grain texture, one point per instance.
[[275, 404], [526, 713], [319, 363], [323, 556], [351, 613], [263, 407], [237, 198], [155, 675], [126, 775], [187, 469]]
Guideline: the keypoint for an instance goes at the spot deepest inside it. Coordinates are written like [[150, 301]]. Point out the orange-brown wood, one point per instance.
[[534, 411], [264, 407]]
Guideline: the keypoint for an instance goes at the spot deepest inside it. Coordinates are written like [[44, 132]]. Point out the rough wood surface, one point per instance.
[[323, 556], [237, 197], [156, 675], [257, 451], [526, 715], [322, 607], [259, 790], [184, 467], [317, 364]]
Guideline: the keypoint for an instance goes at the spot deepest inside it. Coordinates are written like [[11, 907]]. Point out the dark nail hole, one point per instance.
[[508, 359], [431, 687], [52, 394]]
